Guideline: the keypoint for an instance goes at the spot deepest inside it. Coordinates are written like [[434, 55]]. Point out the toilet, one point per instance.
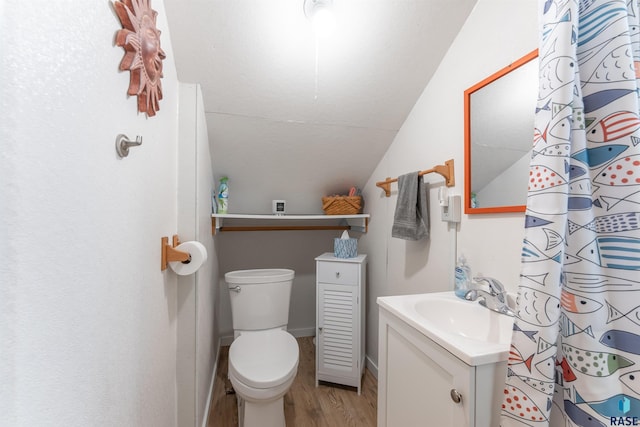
[[263, 358]]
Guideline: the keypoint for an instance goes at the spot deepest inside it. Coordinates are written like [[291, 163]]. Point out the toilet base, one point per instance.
[[253, 414]]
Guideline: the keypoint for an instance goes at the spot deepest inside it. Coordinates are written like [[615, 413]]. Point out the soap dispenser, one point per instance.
[[462, 277]]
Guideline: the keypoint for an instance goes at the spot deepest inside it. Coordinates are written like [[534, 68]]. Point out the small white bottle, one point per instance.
[[462, 277]]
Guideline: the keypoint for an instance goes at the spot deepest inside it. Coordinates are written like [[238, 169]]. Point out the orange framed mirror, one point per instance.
[[499, 116]]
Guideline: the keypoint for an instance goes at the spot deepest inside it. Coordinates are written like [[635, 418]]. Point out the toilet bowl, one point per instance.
[[263, 358], [262, 367]]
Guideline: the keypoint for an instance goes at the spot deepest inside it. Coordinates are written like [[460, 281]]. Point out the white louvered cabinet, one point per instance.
[[340, 311]]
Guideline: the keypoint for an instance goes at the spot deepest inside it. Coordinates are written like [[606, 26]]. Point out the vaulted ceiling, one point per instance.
[[291, 116]]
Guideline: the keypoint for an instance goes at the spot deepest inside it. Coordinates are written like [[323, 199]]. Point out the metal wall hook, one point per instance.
[[123, 143]]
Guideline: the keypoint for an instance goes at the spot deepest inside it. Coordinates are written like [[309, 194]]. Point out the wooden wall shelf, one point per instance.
[[359, 222]]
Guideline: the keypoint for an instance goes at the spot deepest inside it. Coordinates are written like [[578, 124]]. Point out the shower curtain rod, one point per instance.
[[446, 170]]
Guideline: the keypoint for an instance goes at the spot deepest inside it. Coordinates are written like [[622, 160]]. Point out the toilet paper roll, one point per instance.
[[198, 257]]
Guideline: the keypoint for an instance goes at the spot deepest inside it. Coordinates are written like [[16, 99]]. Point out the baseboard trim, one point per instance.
[[372, 367], [303, 332], [227, 340], [299, 332], [205, 418]]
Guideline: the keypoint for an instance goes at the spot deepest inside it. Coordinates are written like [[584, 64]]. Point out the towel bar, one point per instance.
[[446, 170]]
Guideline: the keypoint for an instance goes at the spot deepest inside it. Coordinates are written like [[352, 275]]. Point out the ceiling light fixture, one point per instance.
[[320, 12]]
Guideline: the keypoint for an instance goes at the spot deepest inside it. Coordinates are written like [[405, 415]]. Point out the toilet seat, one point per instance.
[[265, 359]]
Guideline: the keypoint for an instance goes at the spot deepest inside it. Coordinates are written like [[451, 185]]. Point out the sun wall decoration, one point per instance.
[[143, 55]]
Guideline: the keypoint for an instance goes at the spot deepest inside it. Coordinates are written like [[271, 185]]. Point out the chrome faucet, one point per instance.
[[495, 299]]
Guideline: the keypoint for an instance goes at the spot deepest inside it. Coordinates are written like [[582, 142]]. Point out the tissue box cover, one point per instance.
[[345, 248]]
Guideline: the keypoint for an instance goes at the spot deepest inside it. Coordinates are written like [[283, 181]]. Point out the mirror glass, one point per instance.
[[499, 129]]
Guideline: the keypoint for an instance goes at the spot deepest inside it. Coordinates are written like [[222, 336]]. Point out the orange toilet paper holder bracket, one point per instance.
[[170, 254]]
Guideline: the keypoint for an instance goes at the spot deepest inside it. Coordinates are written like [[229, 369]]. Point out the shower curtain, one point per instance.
[[575, 352]]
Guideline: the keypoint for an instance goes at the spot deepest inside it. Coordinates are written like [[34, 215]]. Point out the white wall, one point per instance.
[[88, 320], [207, 336], [496, 33], [198, 342]]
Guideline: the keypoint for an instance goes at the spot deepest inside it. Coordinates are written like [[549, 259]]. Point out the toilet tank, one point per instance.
[[259, 298]]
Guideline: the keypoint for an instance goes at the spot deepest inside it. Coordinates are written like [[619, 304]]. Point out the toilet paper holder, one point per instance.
[[170, 254]]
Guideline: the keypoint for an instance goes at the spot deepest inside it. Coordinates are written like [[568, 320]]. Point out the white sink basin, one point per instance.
[[470, 320], [473, 333]]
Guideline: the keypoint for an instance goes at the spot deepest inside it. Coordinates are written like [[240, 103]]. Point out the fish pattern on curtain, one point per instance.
[[575, 352]]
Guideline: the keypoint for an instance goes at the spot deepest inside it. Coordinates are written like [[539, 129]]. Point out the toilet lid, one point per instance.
[[259, 276], [264, 359]]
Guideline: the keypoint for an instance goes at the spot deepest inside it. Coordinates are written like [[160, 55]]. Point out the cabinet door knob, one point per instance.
[[456, 396], [337, 274]]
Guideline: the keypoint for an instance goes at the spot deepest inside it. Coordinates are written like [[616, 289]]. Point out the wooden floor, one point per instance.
[[328, 405]]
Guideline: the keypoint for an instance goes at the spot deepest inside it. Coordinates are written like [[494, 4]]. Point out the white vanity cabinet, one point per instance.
[[420, 383], [340, 311]]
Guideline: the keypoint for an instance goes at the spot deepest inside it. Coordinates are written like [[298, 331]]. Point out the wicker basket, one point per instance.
[[342, 205]]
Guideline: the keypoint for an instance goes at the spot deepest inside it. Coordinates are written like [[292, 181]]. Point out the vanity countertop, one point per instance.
[[471, 332]]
